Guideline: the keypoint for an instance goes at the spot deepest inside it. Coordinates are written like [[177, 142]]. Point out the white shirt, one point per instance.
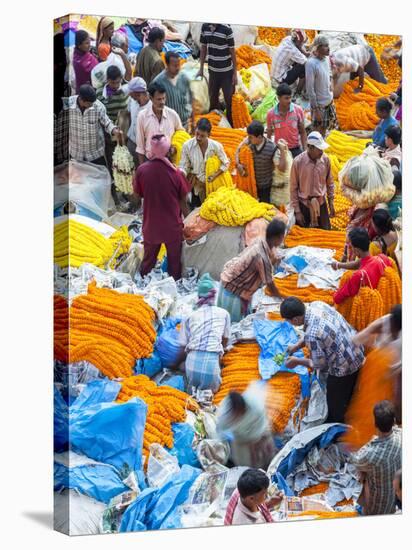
[[286, 55], [148, 125], [204, 328], [134, 109], [351, 58], [193, 162], [243, 515]]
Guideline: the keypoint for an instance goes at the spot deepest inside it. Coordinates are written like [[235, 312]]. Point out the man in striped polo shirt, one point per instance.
[[178, 94], [218, 44]]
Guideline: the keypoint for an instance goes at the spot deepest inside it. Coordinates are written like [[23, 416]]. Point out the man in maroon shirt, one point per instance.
[[164, 191], [369, 269]]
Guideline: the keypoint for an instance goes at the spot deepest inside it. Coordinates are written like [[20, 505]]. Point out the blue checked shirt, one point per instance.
[[204, 329], [328, 336]]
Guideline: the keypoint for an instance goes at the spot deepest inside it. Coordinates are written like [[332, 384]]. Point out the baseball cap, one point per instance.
[[316, 139], [137, 84]]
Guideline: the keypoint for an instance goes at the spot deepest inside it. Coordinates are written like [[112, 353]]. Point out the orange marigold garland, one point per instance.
[[240, 113], [248, 56], [230, 138], [247, 182], [318, 238], [289, 287]]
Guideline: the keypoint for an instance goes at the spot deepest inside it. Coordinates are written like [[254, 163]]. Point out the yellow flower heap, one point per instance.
[[342, 148], [224, 180], [179, 138], [76, 244], [232, 207]]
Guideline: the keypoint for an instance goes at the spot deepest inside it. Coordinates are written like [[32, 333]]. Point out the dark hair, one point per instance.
[[252, 481], [80, 37], [155, 34], [113, 72], [255, 128], [394, 132], [383, 104], [384, 413], [169, 55], [292, 307], [396, 318], [397, 179], [382, 221], [156, 87], [87, 93], [204, 125], [283, 89], [276, 228], [237, 403], [359, 238]]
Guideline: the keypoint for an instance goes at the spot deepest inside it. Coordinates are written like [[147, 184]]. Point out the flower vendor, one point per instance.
[[157, 119], [149, 62], [369, 269], [205, 335], [242, 420], [218, 44], [138, 100], [383, 112], [386, 239], [290, 60], [105, 30], [286, 121], [393, 152], [249, 503], [195, 153], [311, 181], [263, 150], [328, 337], [83, 59], [319, 86], [164, 190], [378, 462], [357, 60], [244, 274], [178, 93]]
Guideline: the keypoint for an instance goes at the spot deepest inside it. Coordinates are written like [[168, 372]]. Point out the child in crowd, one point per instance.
[[383, 111], [249, 503], [393, 152]]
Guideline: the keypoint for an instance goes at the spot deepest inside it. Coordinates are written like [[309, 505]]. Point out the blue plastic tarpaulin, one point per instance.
[[150, 366], [99, 481], [134, 517], [176, 382], [183, 435], [167, 345], [61, 422], [135, 45]]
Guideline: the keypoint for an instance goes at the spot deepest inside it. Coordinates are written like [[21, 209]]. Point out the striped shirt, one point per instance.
[[263, 161], [115, 102], [204, 329], [328, 337], [86, 129], [286, 55], [218, 42], [245, 273], [178, 94], [379, 460]]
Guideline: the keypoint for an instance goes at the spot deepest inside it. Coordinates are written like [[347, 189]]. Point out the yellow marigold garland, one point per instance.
[[224, 180], [179, 138]]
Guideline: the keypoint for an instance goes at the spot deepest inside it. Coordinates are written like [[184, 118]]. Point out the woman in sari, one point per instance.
[[386, 238], [83, 59], [242, 420], [105, 30]]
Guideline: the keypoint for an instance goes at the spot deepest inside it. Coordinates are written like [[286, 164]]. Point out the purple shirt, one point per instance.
[[83, 64]]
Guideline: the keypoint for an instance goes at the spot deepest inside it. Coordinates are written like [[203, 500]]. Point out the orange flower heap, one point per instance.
[[166, 405], [318, 238], [272, 35], [240, 113], [213, 117], [289, 287], [379, 43], [248, 56], [230, 138], [109, 329], [61, 328], [247, 182]]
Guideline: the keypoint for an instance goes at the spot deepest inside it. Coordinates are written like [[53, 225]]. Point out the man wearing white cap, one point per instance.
[[138, 100], [311, 182]]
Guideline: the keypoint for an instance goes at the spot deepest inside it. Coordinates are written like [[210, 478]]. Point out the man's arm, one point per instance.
[[361, 74], [224, 161], [203, 52], [233, 55], [283, 162], [269, 126], [185, 164], [302, 133], [104, 120], [140, 139], [349, 289], [239, 166], [294, 198]]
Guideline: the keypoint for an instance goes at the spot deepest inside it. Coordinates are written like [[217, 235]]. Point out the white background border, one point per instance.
[[26, 271]]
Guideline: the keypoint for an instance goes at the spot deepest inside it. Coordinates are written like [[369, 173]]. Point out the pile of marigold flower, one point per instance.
[[230, 139], [274, 35], [390, 67], [240, 112], [240, 368], [224, 180], [248, 56], [246, 183], [214, 117], [165, 405], [179, 138], [109, 329], [318, 238], [288, 286], [357, 111]]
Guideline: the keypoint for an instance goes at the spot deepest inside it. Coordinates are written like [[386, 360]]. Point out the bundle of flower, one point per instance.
[[357, 111], [108, 329], [240, 368], [342, 148], [240, 112], [374, 384], [248, 56], [288, 286], [179, 138], [223, 180], [232, 207], [165, 405], [230, 139], [390, 67], [214, 117], [123, 169], [318, 238], [76, 244], [247, 182], [370, 304]]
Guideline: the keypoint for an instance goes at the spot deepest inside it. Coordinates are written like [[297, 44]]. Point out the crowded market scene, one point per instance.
[[227, 274]]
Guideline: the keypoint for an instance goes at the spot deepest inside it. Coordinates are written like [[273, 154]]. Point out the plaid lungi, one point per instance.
[[233, 304], [203, 370], [329, 118]]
